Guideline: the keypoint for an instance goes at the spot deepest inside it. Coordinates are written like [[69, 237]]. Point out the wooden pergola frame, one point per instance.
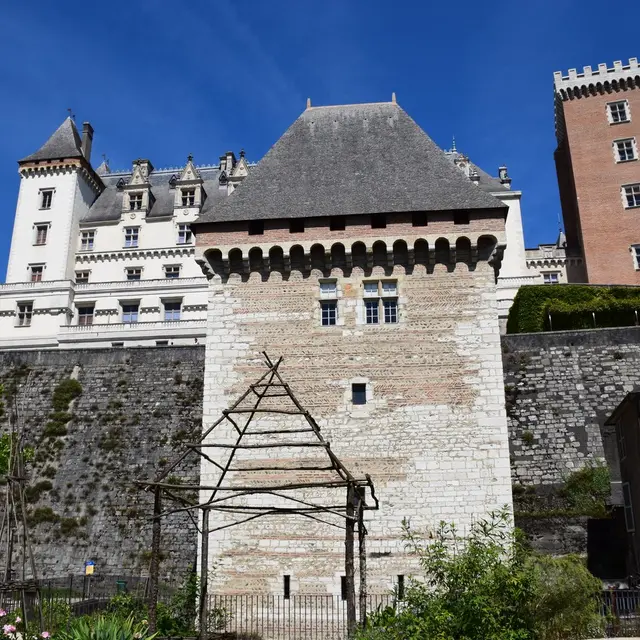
[[240, 417]]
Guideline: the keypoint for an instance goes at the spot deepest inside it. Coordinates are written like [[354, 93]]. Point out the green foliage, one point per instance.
[[527, 437], [43, 514], [67, 391], [32, 493], [587, 490], [572, 307], [489, 586], [107, 627], [56, 614], [5, 453]]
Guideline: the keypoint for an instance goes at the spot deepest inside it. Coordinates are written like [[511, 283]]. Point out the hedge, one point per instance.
[[572, 307]]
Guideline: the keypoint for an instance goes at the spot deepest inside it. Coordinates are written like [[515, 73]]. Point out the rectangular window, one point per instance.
[[343, 587], [134, 273], [172, 310], [87, 239], [359, 393], [390, 311], [256, 227], [42, 230], [287, 587], [329, 313], [135, 201], [25, 312], [337, 223], [370, 288], [378, 221], [46, 198], [625, 150], [460, 217], [82, 277], [85, 315], [172, 271], [130, 312], [618, 111], [550, 278], [188, 197], [632, 195], [628, 507], [635, 248], [400, 587], [131, 237], [389, 288], [419, 219], [328, 288], [622, 446], [371, 309], [36, 272], [296, 225], [184, 234], [162, 343]]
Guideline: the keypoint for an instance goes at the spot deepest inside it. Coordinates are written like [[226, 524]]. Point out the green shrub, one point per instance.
[[43, 514], [587, 490], [32, 493], [572, 307], [107, 627], [64, 393]]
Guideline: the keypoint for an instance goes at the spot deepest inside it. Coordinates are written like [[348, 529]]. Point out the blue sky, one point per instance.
[[164, 79]]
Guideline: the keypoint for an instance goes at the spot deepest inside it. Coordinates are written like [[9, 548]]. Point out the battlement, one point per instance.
[[592, 81]]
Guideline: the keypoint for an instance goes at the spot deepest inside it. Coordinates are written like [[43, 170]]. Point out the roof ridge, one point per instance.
[[64, 142], [350, 104]]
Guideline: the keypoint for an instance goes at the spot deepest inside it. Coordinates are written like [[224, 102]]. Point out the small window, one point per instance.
[[87, 239], [25, 313], [329, 288], [337, 223], [343, 587], [618, 112], [419, 219], [550, 278], [162, 343], [329, 313], [85, 315], [400, 587], [370, 289], [296, 225], [628, 507], [172, 311], [372, 311], [36, 272], [188, 197], [256, 227], [286, 587], [635, 249], [632, 195], [134, 273], [460, 217], [390, 311], [378, 221], [131, 237], [82, 277], [130, 312], [622, 446], [389, 288], [172, 271], [42, 231], [359, 393], [184, 234], [135, 201], [46, 198], [625, 150], [117, 345]]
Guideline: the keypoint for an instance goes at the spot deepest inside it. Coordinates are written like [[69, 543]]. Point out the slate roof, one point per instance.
[[108, 205], [64, 143], [350, 159], [487, 182]]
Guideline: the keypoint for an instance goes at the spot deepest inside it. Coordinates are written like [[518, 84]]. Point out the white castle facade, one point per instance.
[[106, 259]]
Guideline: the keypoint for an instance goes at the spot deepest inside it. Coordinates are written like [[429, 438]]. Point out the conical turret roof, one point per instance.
[[64, 143]]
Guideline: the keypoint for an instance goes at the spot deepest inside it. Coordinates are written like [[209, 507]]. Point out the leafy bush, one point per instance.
[[587, 490], [489, 586], [108, 627], [572, 307], [64, 393]]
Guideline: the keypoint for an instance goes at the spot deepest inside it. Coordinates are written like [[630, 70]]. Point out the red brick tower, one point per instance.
[[597, 126]]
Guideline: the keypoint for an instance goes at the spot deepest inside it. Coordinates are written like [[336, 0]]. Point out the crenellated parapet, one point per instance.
[[604, 79], [305, 258]]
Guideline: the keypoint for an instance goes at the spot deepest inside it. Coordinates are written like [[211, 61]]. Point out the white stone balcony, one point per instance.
[[143, 285], [36, 287]]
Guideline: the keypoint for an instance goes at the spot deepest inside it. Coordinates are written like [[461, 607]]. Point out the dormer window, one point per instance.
[[188, 197], [47, 198], [135, 201]]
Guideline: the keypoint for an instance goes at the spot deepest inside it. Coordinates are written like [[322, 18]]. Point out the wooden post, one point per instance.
[[362, 553], [154, 567], [204, 573], [349, 564]]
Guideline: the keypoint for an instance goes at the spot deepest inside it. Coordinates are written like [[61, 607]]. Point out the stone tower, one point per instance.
[[597, 128], [360, 253]]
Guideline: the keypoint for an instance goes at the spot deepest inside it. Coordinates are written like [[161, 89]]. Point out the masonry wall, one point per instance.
[[136, 408], [432, 434]]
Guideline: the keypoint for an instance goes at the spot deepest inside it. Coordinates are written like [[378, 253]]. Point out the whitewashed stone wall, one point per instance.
[[433, 434]]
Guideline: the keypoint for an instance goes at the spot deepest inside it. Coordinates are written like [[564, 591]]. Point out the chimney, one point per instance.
[[504, 177], [87, 139], [231, 161]]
